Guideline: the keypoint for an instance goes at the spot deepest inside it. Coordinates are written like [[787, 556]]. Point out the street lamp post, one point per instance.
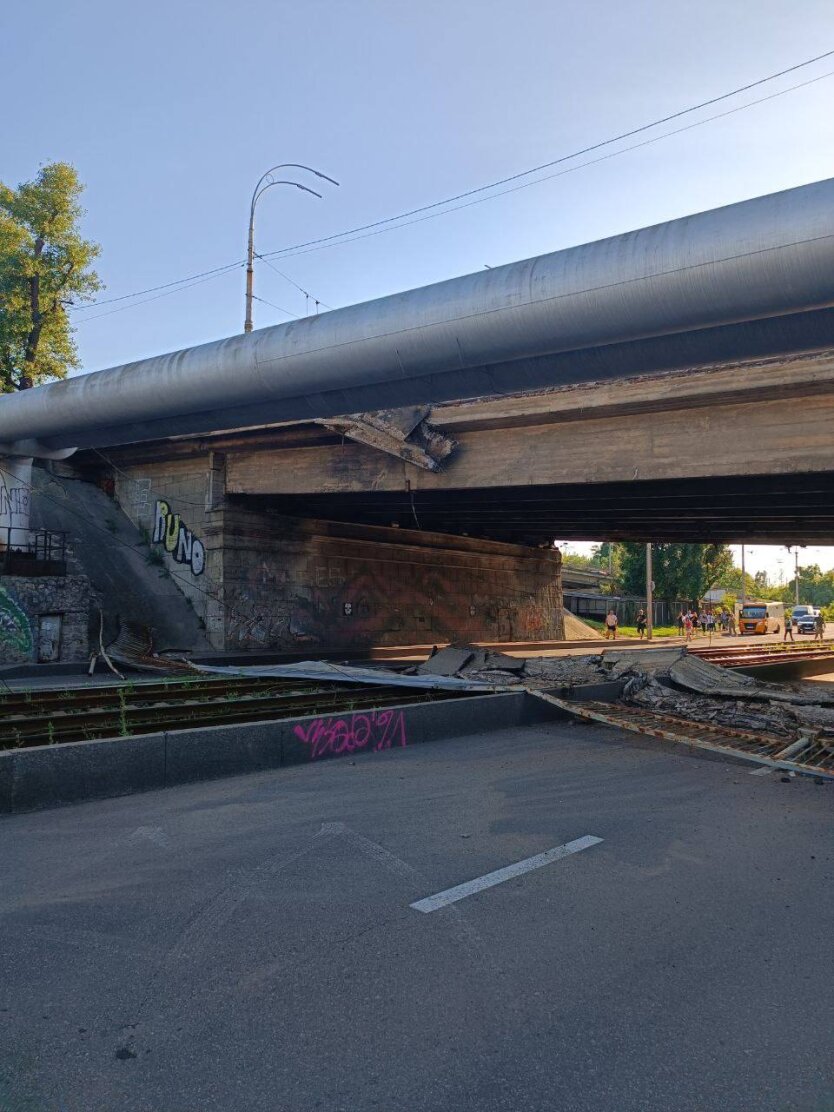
[[743, 578], [649, 594], [265, 182], [796, 575], [796, 549]]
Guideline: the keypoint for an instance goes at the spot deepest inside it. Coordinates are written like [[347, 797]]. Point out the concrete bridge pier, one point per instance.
[[264, 581], [15, 501]]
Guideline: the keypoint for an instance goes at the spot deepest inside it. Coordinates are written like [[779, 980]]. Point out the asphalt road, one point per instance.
[[249, 944]]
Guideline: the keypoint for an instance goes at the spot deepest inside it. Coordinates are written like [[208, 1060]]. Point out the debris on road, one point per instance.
[[673, 694]]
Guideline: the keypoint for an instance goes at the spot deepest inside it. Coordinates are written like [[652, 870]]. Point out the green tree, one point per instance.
[[576, 560], [730, 579], [45, 265], [816, 587], [680, 571]]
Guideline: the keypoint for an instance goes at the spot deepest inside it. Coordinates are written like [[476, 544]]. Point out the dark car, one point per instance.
[[806, 624]]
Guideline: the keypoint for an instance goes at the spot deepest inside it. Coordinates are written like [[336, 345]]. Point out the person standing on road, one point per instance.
[[789, 630], [641, 623], [819, 627], [687, 625], [681, 622], [611, 623]]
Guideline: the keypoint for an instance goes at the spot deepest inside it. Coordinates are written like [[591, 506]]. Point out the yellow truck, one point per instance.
[[760, 617]]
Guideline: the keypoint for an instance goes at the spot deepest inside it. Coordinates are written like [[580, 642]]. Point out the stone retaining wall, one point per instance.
[[44, 618]]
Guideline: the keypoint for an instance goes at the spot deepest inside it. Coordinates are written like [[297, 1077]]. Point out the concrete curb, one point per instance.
[[54, 775]]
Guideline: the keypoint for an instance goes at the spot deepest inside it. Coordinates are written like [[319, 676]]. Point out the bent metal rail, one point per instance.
[[805, 754]]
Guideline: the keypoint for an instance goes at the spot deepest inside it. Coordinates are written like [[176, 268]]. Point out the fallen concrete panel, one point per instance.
[[447, 662], [346, 673], [49, 776], [694, 674]]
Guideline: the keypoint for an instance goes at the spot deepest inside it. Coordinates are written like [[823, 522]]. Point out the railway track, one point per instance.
[[751, 656], [124, 710]]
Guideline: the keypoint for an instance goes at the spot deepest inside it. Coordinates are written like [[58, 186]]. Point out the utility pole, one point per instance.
[[265, 182], [649, 594], [743, 578], [796, 575]]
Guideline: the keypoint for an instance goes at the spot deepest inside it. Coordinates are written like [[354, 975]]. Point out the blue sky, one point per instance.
[[172, 110]]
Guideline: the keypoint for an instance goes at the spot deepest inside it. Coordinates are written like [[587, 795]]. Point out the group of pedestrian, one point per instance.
[[708, 621]]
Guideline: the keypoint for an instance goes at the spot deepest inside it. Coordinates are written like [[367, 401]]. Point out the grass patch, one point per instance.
[[631, 631]]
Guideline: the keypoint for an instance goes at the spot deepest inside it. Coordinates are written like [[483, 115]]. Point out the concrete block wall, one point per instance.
[[189, 542], [25, 601], [290, 583], [266, 582]]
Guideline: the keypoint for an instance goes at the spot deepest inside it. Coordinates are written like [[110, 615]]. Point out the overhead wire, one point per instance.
[[156, 297], [351, 234], [272, 305], [322, 245], [292, 281], [575, 154], [164, 286]]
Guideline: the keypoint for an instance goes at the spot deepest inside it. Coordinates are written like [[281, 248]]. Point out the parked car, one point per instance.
[[807, 623], [803, 612]]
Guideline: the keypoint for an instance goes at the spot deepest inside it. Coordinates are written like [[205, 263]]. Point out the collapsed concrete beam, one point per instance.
[[404, 433]]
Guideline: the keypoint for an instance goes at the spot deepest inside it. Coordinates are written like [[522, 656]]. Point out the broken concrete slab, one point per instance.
[[505, 663], [700, 676], [446, 662]]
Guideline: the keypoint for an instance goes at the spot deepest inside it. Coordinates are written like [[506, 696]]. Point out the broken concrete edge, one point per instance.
[[76, 772], [672, 741]]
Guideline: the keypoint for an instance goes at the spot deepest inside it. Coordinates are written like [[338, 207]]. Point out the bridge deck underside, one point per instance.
[[773, 509]]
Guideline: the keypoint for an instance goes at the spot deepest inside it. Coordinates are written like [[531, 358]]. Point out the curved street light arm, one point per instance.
[[290, 166], [262, 189], [266, 181]]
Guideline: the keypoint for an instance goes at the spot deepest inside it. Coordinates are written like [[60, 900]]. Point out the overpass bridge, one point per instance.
[[673, 383]]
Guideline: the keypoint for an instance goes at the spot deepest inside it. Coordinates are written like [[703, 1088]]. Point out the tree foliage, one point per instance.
[[680, 571], [45, 265], [730, 578]]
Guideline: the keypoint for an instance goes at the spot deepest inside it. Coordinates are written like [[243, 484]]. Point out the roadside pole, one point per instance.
[[649, 594], [743, 594]]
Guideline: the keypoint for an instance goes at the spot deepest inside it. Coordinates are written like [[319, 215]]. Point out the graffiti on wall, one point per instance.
[[14, 501], [179, 541], [15, 631], [335, 602], [373, 730]]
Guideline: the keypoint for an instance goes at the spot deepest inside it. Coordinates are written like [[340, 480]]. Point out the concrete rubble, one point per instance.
[[668, 681]]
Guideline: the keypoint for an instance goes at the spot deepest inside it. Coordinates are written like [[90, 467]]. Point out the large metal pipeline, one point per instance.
[[478, 334]]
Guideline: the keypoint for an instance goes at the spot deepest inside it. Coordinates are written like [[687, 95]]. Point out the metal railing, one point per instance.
[[588, 605], [45, 553]]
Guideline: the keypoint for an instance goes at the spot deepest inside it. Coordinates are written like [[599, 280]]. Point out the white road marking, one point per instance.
[[470, 887]]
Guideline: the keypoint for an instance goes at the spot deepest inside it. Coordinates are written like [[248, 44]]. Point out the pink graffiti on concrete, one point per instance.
[[373, 730]]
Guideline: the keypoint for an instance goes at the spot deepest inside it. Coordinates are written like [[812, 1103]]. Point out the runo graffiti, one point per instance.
[[179, 541]]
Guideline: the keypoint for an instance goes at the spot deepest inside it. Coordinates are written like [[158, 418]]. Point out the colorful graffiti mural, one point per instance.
[[15, 630], [373, 730], [179, 542]]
